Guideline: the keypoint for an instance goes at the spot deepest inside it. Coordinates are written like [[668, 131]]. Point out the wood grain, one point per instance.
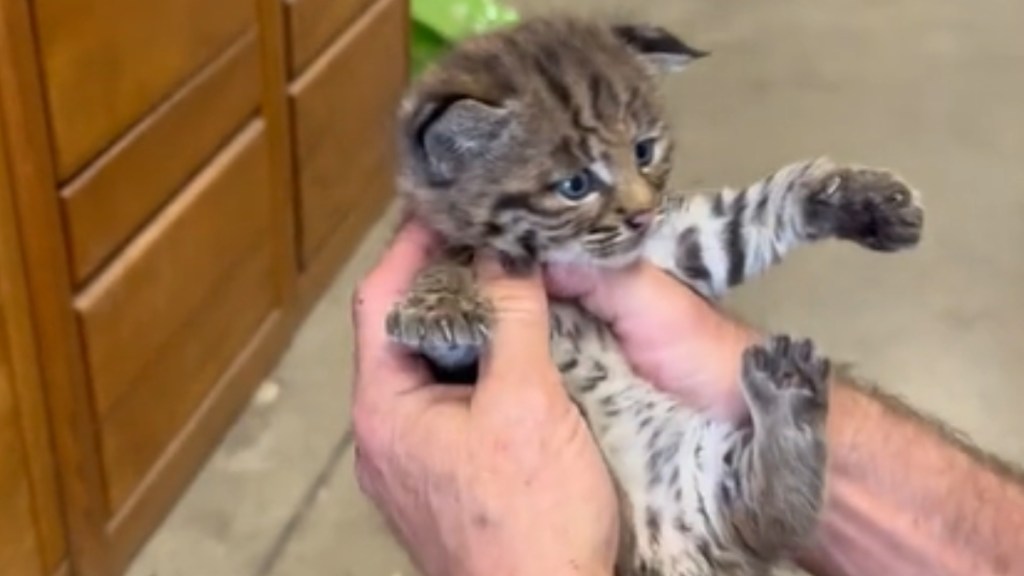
[[217, 301], [19, 546], [282, 160], [194, 370], [121, 191], [23, 124], [21, 367], [156, 342], [313, 24], [198, 439], [162, 278], [344, 107], [144, 423], [106, 63]]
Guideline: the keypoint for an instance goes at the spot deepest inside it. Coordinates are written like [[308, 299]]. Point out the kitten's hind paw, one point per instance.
[[786, 376], [871, 207]]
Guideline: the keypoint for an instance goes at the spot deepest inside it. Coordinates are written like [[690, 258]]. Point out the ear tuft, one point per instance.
[[658, 47]]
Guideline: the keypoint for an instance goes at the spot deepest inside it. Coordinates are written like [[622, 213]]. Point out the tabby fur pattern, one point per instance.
[[546, 142]]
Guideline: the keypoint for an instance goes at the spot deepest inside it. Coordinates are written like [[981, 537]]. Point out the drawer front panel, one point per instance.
[[107, 62], [167, 271], [167, 293], [117, 194], [311, 24], [344, 108], [168, 393]]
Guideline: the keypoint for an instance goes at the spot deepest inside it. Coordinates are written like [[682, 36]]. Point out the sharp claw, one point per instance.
[[447, 330], [833, 186], [900, 197], [824, 368], [482, 331]]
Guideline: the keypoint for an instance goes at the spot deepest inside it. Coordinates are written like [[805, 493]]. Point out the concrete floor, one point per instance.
[[932, 88]]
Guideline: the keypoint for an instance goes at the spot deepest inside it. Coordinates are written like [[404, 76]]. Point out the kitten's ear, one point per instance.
[[657, 47], [454, 129]]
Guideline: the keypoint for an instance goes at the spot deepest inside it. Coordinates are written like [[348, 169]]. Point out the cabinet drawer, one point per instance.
[[311, 24], [344, 108], [168, 317], [107, 62], [115, 196]]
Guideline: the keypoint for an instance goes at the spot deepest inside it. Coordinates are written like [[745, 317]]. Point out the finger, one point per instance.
[[572, 281], [671, 336], [519, 330], [518, 347], [381, 367], [615, 295]]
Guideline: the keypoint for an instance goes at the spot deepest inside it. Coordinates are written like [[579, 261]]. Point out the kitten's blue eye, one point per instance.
[[577, 186], [644, 152]]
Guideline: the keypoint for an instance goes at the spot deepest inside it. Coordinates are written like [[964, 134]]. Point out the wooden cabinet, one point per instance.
[[105, 63], [165, 320], [32, 537], [313, 24], [113, 199], [21, 552], [179, 181], [341, 102]]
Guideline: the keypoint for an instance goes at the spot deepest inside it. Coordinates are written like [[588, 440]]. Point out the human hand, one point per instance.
[[502, 478], [670, 335]]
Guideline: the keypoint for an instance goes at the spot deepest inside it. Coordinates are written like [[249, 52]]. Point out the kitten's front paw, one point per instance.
[[871, 207], [786, 376], [450, 329]]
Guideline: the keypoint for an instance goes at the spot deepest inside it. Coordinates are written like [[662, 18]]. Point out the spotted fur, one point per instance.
[[491, 140]]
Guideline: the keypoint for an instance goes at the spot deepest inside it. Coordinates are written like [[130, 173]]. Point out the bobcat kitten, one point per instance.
[[545, 141]]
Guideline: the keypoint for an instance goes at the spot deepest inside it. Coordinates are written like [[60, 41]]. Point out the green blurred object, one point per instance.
[[436, 24]]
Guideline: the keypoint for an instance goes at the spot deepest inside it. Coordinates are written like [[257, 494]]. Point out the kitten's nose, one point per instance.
[[640, 221]]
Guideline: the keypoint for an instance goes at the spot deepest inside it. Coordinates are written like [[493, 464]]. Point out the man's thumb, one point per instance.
[[519, 323]]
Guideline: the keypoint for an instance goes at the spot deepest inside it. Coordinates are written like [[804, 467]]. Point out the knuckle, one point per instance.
[[369, 430], [513, 306]]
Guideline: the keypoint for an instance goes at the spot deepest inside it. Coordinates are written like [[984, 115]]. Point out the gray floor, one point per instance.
[[934, 89]]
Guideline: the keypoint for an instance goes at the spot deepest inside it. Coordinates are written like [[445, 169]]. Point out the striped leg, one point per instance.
[[716, 241]]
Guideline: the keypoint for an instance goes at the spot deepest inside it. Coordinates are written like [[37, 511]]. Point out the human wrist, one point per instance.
[[567, 545]]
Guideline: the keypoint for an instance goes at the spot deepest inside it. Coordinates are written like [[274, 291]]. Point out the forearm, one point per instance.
[[906, 497]]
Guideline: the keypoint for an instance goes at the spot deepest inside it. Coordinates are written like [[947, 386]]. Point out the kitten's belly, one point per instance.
[[666, 458]]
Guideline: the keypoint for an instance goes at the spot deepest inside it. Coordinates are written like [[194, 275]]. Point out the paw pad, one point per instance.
[[873, 208], [784, 371]]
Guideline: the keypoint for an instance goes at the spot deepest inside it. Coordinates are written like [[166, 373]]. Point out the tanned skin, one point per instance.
[[907, 495]]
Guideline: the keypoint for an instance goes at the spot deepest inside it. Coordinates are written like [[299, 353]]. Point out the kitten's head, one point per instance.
[[544, 140]]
